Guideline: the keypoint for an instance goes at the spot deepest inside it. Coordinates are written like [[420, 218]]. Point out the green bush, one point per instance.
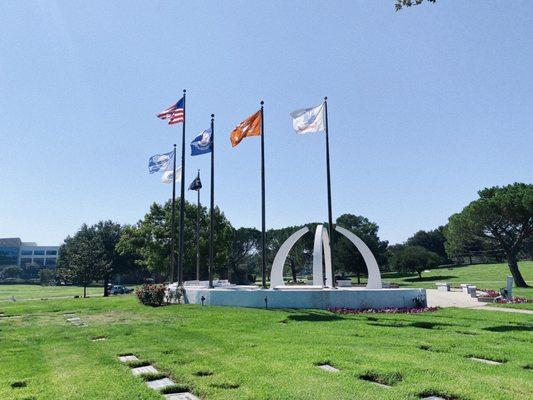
[[152, 295]]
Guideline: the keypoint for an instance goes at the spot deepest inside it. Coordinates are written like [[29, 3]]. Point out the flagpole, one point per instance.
[[198, 234], [173, 221], [330, 218], [212, 205], [182, 196], [263, 225]]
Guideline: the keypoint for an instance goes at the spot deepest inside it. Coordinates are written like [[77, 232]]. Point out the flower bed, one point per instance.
[[513, 300], [498, 298], [404, 310]]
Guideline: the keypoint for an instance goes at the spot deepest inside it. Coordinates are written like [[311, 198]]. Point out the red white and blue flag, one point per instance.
[[175, 113]]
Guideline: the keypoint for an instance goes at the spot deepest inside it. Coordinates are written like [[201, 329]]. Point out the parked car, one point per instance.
[[120, 289]]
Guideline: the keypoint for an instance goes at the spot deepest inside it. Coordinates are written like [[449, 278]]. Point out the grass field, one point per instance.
[[22, 292], [484, 276], [229, 353]]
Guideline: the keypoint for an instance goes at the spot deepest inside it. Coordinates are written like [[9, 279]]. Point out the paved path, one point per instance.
[[437, 298]]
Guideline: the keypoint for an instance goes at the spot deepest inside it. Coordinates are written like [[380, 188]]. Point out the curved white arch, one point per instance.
[[318, 277], [374, 276], [276, 274], [327, 258]]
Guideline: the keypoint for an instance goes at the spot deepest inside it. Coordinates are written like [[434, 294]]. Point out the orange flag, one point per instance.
[[251, 126]]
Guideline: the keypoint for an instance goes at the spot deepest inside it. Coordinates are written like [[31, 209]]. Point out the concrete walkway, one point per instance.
[[437, 298]]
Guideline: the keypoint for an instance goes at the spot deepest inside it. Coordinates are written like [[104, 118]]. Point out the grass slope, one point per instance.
[[484, 276], [231, 353]]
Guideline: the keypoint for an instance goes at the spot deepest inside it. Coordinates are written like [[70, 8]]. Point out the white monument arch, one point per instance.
[[321, 250], [319, 295]]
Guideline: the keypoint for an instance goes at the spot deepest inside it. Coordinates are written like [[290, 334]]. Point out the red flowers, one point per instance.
[[404, 310]]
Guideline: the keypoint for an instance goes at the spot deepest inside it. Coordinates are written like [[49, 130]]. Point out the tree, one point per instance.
[[408, 3], [413, 259], [244, 245], [30, 270], [82, 257], [148, 242], [47, 276], [346, 256], [431, 240], [502, 216], [11, 271], [109, 234]]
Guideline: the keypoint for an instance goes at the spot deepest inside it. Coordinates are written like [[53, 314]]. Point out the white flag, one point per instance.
[[308, 120], [168, 176]]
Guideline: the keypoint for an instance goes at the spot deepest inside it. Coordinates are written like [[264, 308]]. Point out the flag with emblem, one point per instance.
[[251, 126], [169, 176], [308, 120], [202, 143]]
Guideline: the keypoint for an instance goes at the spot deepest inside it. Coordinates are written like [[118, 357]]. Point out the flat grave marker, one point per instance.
[[181, 396], [160, 384], [148, 369], [484, 360], [328, 368], [127, 358]]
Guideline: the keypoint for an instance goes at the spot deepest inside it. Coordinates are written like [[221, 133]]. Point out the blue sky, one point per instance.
[[426, 106]]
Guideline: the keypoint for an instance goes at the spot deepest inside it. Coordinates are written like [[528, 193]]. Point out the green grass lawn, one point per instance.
[[37, 291], [231, 353], [484, 276]]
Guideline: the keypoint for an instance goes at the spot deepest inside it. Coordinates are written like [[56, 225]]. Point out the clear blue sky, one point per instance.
[[427, 106]]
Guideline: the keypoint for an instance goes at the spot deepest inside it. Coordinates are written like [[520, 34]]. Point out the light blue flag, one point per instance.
[[202, 143], [160, 162]]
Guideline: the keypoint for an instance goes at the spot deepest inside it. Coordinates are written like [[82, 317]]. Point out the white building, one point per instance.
[[13, 251]]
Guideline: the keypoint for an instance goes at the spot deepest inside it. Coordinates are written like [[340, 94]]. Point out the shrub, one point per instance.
[[175, 296], [152, 295]]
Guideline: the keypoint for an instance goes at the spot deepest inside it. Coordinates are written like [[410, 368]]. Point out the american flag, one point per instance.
[[175, 113]]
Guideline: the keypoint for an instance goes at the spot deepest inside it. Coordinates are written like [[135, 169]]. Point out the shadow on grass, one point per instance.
[[430, 278], [313, 316], [509, 328], [417, 324]]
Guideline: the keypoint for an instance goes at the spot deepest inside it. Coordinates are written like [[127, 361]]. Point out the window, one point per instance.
[[50, 262], [25, 261], [26, 252], [9, 255], [38, 261], [38, 252], [51, 252]]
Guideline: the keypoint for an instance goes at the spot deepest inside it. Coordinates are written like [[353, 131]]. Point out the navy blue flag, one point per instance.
[[202, 143], [196, 184], [160, 162]]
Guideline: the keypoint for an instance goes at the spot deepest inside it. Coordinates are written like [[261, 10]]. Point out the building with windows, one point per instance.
[[14, 251]]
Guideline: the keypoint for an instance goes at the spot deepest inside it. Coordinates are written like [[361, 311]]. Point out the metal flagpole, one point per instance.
[[212, 205], [173, 222], [263, 226], [198, 234], [182, 198], [330, 218]]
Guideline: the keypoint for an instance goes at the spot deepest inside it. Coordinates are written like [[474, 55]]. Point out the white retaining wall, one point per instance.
[[301, 298]]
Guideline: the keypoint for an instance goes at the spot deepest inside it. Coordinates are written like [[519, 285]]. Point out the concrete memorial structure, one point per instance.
[[320, 295]]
